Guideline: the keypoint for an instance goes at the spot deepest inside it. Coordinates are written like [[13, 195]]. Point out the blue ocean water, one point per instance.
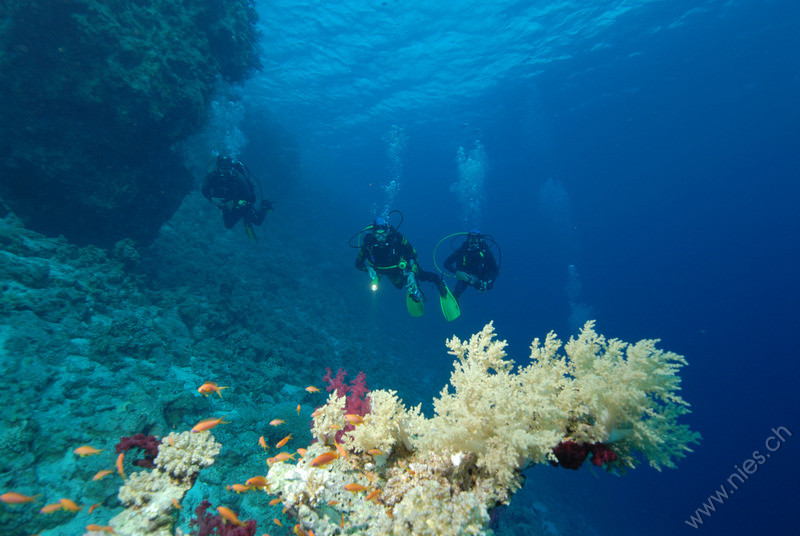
[[640, 166], [636, 162]]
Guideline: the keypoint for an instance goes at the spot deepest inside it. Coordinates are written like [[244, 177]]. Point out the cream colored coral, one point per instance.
[[388, 423], [490, 422], [183, 455], [150, 497], [330, 419]]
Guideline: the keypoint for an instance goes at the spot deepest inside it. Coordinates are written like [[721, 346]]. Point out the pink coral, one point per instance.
[[357, 401], [148, 443], [206, 523]]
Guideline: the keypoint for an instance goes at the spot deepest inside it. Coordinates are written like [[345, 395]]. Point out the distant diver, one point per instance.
[[384, 251], [473, 262], [229, 186]]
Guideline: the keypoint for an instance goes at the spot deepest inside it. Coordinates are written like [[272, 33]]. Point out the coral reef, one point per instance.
[[615, 400], [96, 94], [152, 496], [183, 455]]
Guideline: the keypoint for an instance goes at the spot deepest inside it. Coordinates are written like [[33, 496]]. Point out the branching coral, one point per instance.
[[616, 401]]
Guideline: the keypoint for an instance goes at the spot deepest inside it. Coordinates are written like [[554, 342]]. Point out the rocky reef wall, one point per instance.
[[94, 97]]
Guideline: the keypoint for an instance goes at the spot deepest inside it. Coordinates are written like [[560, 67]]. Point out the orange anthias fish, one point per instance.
[[120, 465], [312, 389], [301, 451], [317, 412], [101, 474], [99, 528], [238, 488], [276, 422], [257, 482], [275, 501], [282, 457], [355, 488], [228, 514], [298, 409], [70, 505], [93, 507], [210, 387], [263, 443], [354, 418], [208, 424], [50, 508], [341, 450], [283, 441], [324, 459], [86, 450], [12, 497]]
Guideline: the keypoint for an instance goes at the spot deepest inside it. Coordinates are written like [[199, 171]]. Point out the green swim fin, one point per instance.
[[250, 232], [415, 308], [450, 308]]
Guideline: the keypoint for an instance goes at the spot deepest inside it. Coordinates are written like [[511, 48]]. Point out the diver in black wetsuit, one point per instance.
[[230, 187], [473, 264], [386, 252]]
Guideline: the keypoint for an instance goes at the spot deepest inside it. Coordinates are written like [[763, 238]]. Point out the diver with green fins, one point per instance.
[[384, 252], [472, 263]]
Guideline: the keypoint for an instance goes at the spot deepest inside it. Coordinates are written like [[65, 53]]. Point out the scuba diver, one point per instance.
[[384, 251], [473, 263], [229, 186]]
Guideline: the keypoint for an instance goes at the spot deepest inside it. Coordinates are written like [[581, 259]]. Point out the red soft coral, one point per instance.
[[148, 443], [357, 401], [571, 455], [206, 523]]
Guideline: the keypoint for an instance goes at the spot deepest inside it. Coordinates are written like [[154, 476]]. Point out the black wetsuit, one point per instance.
[[236, 195], [477, 262], [385, 259]]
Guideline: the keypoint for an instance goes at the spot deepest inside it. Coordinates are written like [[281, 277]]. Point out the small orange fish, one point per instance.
[[257, 482], [228, 514], [331, 503], [283, 441], [390, 513], [50, 508], [317, 412], [342, 453], [355, 488], [175, 504], [324, 459], [238, 488], [12, 497], [263, 443], [301, 451], [276, 422], [208, 424], [99, 528], [121, 465], [372, 494], [283, 456], [101, 474], [375, 452], [298, 409], [275, 501], [298, 530], [312, 389], [354, 418], [210, 387], [93, 507], [277, 521], [86, 450], [70, 505]]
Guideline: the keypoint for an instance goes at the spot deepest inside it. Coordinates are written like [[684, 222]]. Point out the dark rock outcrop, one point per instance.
[[94, 96]]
